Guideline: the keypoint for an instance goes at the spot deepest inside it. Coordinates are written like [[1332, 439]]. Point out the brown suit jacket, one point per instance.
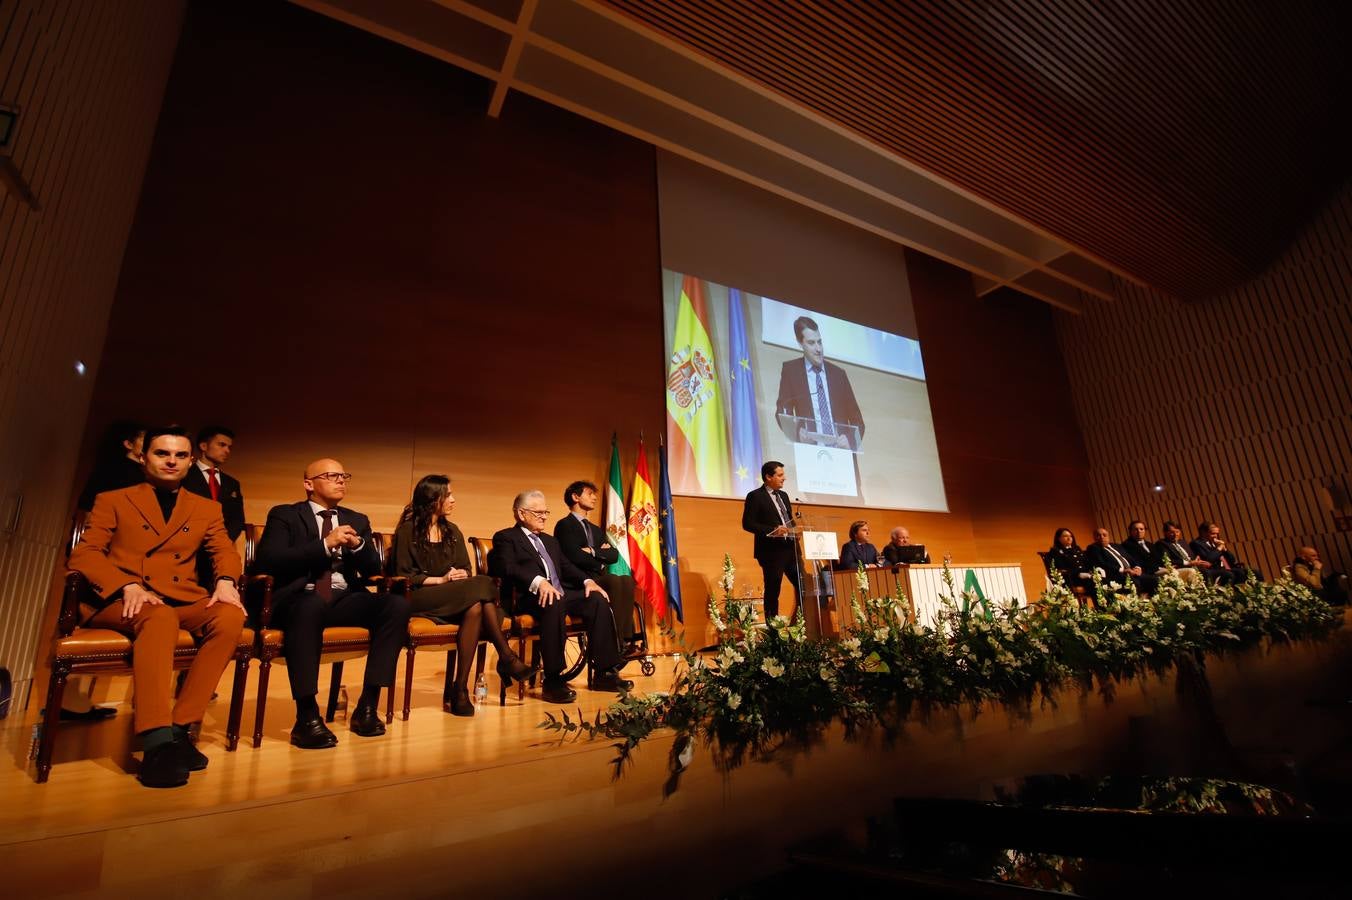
[[126, 540]]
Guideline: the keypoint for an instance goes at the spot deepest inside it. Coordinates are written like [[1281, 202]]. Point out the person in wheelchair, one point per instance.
[[588, 547], [549, 586]]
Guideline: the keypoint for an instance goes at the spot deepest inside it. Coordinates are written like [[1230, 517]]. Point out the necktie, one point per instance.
[[586, 529], [324, 583], [1121, 560], [779, 508], [828, 425], [544, 558], [1182, 554], [214, 484]]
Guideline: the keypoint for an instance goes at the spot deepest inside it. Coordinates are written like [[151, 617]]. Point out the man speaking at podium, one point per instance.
[[768, 515], [813, 389]]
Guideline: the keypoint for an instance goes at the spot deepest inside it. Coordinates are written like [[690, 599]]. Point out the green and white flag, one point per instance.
[[617, 520]]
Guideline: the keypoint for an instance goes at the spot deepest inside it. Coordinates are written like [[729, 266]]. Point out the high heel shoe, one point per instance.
[[510, 668], [459, 704]]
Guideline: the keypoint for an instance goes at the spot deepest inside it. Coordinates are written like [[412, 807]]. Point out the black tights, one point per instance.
[[484, 619]]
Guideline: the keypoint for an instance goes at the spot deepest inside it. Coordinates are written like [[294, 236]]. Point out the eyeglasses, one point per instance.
[[542, 513], [336, 477]]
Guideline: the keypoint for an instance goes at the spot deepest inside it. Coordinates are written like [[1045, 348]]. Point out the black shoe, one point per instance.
[[611, 681], [513, 668], [313, 734], [163, 767], [557, 692], [193, 759], [93, 714], [459, 704], [366, 722]]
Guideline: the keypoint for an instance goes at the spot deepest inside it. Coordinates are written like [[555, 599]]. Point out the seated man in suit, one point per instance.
[[1329, 586], [319, 555], [766, 513], [139, 552], [892, 553], [588, 547], [1137, 548], [1170, 548], [857, 550], [549, 586], [207, 478], [1225, 569], [814, 389], [1117, 568]]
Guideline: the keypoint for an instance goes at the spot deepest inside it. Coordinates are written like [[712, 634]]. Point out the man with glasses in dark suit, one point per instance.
[[319, 555]]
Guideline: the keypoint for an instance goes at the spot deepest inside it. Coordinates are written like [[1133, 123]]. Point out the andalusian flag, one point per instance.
[[617, 528], [696, 430], [645, 546], [671, 568]]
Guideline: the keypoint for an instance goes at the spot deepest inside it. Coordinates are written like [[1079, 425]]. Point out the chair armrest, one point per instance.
[[260, 587], [70, 604], [396, 584]]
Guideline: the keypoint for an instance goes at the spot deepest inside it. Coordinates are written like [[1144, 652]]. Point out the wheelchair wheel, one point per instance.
[[574, 655], [647, 667]]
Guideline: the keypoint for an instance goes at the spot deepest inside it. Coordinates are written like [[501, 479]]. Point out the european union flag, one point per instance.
[[746, 444], [667, 529]]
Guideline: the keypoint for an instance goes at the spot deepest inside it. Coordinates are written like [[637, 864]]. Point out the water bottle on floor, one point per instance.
[[480, 690]]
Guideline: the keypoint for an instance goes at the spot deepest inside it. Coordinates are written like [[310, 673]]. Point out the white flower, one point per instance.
[[772, 667], [826, 674], [881, 632], [729, 657], [734, 700], [779, 622], [851, 647]]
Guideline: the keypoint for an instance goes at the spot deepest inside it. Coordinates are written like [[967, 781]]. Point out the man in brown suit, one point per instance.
[[139, 553]]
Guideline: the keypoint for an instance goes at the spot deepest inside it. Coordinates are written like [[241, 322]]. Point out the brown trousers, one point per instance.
[[154, 633]]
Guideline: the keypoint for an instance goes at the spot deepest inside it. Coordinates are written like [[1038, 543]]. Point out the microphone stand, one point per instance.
[[814, 621]]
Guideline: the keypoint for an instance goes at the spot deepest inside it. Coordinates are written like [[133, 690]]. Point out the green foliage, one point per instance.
[[769, 686]]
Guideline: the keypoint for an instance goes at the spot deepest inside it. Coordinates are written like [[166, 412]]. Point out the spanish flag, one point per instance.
[[697, 432], [645, 544]]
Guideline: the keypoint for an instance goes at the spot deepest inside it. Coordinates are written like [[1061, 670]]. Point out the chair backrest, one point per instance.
[[384, 543], [252, 535], [479, 550], [484, 563], [78, 523]]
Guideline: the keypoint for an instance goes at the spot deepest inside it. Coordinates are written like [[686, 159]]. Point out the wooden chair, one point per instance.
[[525, 628], [339, 645], [103, 651], [425, 633]]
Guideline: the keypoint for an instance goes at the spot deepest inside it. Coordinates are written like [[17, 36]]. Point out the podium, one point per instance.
[[816, 550], [823, 459]]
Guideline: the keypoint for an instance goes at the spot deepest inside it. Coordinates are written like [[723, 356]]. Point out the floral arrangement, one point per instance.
[[767, 687]]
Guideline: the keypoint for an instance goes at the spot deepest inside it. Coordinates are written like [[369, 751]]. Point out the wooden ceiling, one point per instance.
[[1042, 146]]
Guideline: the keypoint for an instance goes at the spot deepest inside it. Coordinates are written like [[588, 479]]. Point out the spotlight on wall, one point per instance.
[[1159, 489], [79, 367]]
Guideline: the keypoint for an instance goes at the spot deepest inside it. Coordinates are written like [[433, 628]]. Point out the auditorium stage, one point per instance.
[[494, 806]]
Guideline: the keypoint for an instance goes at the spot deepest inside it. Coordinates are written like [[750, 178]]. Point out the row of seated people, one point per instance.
[[139, 553], [898, 551], [1139, 562]]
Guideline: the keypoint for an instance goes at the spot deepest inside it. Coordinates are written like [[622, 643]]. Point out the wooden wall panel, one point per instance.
[[1239, 405], [89, 79], [488, 295]]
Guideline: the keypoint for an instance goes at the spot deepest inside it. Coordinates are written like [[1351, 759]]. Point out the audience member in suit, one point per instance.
[[767, 514], [1138, 548], [319, 555], [431, 553], [812, 388], [900, 537], [1117, 568], [117, 462], [857, 550], [1329, 586], [1170, 549], [207, 478], [549, 586], [138, 553], [1066, 557], [589, 548], [1225, 569]]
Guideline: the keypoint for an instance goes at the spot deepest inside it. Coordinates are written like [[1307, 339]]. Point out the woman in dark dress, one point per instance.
[[1067, 557], [430, 552]]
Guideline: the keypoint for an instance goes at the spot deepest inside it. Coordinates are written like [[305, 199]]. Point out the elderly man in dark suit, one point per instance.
[[320, 555], [768, 515], [819, 391], [1116, 566], [548, 585]]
